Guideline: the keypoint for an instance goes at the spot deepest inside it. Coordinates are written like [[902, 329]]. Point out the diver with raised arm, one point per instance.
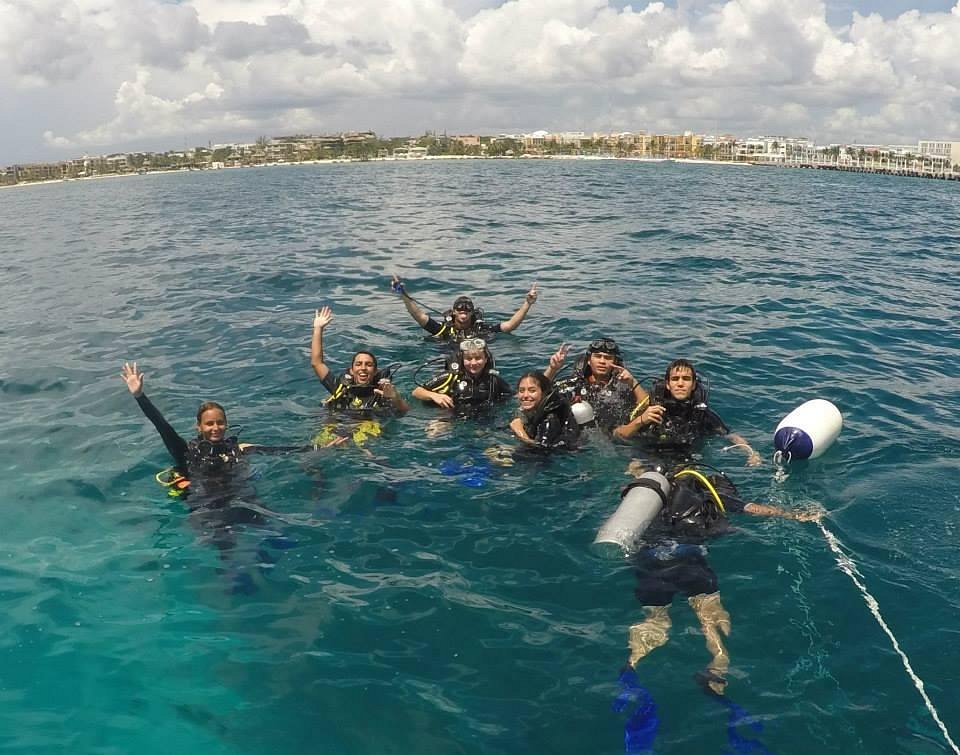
[[463, 320]]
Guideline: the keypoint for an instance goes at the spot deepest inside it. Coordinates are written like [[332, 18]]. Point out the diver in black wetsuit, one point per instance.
[[470, 385], [546, 421], [362, 388], [600, 379], [463, 319], [209, 470], [674, 561], [678, 418]]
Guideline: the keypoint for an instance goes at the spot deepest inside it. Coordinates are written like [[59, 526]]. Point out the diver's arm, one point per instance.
[[518, 316], [320, 321], [763, 509], [256, 448], [753, 458], [556, 360], [516, 424], [176, 446], [415, 312], [649, 415], [440, 399], [389, 391]]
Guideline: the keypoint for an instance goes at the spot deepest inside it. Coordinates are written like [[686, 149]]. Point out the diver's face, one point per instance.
[[212, 425], [680, 383], [601, 364], [362, 368], [529, 393], [462, 316], [474, 362]]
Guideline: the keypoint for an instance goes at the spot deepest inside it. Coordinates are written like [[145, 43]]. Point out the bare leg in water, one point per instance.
[[714, 621], [650, 633]]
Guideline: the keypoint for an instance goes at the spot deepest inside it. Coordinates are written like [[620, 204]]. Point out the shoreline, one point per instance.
[[425, 158], [340, 161]]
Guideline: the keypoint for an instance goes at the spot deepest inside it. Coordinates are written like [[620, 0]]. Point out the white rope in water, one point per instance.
[[848, 566]]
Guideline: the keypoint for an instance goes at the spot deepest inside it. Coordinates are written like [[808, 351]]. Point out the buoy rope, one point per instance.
[[847, 565]]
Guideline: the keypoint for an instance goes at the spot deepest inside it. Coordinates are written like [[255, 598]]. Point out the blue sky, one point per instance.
[[97, 76]]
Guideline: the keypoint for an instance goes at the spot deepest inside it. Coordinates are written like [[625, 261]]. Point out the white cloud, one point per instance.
[[216, 68]]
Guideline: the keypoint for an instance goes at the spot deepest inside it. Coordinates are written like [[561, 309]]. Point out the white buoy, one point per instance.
[[639, 505], [808, 431]]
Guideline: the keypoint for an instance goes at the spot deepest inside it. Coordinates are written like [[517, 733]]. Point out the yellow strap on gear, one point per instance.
[[336, 394], [443, 329], [638, 409], [706, 483], [445, 385]]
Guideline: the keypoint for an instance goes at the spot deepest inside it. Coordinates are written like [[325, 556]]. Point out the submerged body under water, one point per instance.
[[430, 601]]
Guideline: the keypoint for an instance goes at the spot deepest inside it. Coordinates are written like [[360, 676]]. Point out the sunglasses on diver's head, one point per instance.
[[473, 344]]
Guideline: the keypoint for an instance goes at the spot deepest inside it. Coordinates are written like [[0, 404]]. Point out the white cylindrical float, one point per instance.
[[639, 506], [808, 430]]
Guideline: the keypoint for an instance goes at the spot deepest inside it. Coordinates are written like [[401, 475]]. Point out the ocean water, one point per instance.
[[393, 608]]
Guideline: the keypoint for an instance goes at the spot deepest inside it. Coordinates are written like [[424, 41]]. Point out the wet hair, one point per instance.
[[207, 406], [546, 385], [682, 364], [368, 353]]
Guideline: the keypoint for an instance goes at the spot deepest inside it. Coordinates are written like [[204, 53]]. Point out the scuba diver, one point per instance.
[[674, 561], [546, 421], [470, 384], [362, 388], [600, 379], [678, 417], [463, 320], [209, 471]]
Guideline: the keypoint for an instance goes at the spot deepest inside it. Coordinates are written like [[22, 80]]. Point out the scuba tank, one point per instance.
[[640, 503]]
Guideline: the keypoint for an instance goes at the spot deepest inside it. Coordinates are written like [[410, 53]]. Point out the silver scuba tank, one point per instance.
[[638, 507]]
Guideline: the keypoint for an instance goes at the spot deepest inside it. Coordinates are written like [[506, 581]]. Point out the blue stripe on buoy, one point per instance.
[[794, 441]]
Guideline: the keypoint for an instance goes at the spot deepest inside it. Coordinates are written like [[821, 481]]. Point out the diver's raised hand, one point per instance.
[[397, 285], [322, 318], [558, 357], [532, 294], [133, 378]]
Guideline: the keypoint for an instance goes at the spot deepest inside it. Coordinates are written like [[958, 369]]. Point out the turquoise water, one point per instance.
[[415, 613]]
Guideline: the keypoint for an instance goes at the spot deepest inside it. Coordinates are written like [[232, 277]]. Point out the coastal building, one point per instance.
[[950, 151]]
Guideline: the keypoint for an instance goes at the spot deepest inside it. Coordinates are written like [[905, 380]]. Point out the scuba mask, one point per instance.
[[605, 346]]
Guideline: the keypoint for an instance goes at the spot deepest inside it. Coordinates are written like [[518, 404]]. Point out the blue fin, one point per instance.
[[640, 728]]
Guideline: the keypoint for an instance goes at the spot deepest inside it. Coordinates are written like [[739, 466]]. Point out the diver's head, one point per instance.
[[463, 312], [363, 368], [602, 355], [531, 388], [680, 379], [474, 356], [211, 421]]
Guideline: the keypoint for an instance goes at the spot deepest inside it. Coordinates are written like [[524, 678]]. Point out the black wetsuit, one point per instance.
[[612, 401], [218, 475], [686, 424], [551, 425], [360, 400], [471, 394], [675, 559], [444, 331]]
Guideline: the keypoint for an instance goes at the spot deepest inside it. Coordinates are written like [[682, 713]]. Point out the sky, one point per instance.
[[98, 76]]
